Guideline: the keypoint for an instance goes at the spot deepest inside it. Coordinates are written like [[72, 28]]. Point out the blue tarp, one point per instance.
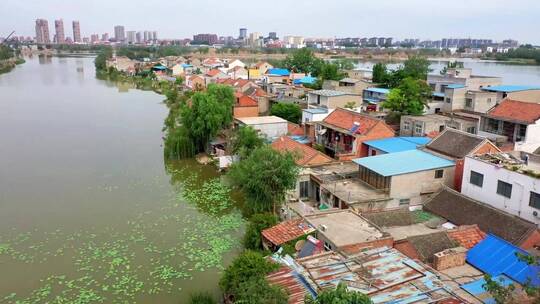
[[378, 90], [280, 72], [403, 162], [397, 144], [455, 86], [305, 80], [496, 256]]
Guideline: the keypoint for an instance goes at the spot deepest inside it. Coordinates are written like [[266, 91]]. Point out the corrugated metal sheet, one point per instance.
[[496, 256], [403, 162]]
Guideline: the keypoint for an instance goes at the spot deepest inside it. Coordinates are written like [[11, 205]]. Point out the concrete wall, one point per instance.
[[415, 186], [481, 101], [334, 101], [271, 129], [522, 185], [527, 96]]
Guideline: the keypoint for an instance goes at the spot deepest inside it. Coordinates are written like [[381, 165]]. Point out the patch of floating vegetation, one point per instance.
[[160, 249]]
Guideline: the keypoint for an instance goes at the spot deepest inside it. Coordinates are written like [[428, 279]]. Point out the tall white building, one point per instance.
[[59, 29], [42, 31], [76, 32], [119, 33], [130, 37]]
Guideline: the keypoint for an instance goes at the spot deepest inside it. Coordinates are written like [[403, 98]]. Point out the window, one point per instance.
[[504, 189], [441, 128], [521, 133], [468, 103], [437, 110], [418, 128], [476, 179], [448, 100], [404, 202], [534, 200], [304, 186], [471, 130], [439, 173], [406, 125], [489, 100], [327, 246], [492, 125]]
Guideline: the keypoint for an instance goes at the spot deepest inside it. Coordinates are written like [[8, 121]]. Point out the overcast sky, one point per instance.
[[424, 19]]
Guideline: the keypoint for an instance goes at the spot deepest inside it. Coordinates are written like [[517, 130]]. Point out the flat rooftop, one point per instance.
[[511, 162], [261, 120], [344, 227], [355, 191], [333, 172], [403, 232], [403, 162]]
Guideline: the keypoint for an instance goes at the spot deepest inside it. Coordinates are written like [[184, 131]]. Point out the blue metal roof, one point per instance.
[[300, 139], [403, 162], [185, 65], [496, 256], [476, 288], [510, 88], [378, 90], [277, 71], [438, 94], [455, 86], [397, 144], [317, 110]]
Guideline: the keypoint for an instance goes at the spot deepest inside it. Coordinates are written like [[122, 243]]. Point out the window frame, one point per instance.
[[477, 174], [441, 171], [502, 188], [537, 197]]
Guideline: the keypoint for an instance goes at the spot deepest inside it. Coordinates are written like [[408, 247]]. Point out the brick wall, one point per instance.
[[458, 174], [449, 258], [246, 112], [531, 241]]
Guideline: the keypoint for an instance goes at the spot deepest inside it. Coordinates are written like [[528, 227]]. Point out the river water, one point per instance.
[[89, 209]]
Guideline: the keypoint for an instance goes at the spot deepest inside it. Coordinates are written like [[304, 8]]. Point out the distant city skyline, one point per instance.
[[421, 19]]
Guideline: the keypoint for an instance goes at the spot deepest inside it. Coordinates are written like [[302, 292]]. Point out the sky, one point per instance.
[[423, 19]]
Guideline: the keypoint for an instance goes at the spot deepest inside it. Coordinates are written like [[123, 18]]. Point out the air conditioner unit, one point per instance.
[[535, 213]]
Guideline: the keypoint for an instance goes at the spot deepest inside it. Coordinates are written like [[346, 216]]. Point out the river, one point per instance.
[[89, 209], [512, 74]]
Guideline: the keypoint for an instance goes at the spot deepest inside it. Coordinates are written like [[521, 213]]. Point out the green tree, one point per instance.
[[244, 140], [202, 298], [380, 73], [257, 223], [451, 65], [340, 295], [350, 105], [410, 97], [329, 71], [207, 113], [303, 61], [264, 177], [101, 60], [6, 52], [416, 67], [258, 291], [248, 267], [500, 293], [288, 111]]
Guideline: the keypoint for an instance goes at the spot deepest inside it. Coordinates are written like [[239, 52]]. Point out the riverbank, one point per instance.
[[8, 65]]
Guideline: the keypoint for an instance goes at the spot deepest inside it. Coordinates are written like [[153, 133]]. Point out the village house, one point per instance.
[[333, 99], [514, 92], [182, 69], [306, 157], [123, 64], [231, 64], [343, 131], [394, 144], [373, 99], [245, 106], [212, 63], [237, 72], [461, 210], [284, 232], [261, 68], [212, 76], [433, 124], [195, 82], [347, 85], [362, 74], [390, 181], [276, 75], [505, 182], [267, 126], [384, 274], [346, 230], [513, 124], [456, 145]]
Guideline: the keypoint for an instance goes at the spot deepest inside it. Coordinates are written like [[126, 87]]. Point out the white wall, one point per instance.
[[271, 130], [309, 117], [522, 184]]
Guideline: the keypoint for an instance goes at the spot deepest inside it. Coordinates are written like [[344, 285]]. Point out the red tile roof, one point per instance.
[[246, 101], [294, 129], [306, 154], [286, 279], [514, 110], [467, 236], [346, 119], [213, 72], [287, 231]]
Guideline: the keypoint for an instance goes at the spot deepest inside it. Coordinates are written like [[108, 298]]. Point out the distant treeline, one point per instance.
[[523, 52]]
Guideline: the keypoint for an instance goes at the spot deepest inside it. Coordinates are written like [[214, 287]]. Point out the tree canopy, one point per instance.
[[410, 97], [340, 295], [257, 223], [288, 111], [379, 73], [244, 140], [302, 61], [264, 177], [207, 112], [416, 67], [245, 280]]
